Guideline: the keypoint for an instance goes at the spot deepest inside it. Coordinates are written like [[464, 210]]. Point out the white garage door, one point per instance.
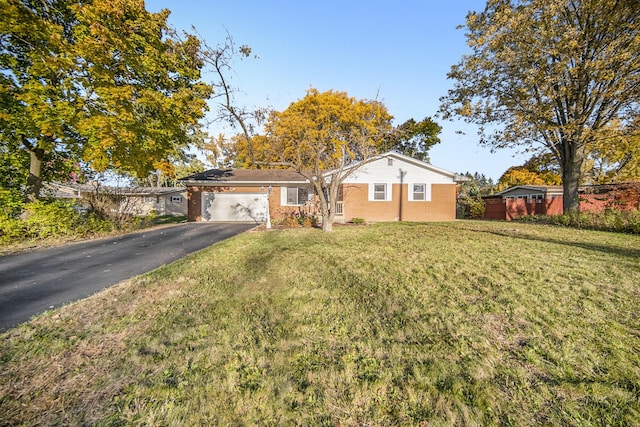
[[236, 207]]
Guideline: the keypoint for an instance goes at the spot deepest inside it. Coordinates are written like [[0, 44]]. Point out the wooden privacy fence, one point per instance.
[[510, 209]]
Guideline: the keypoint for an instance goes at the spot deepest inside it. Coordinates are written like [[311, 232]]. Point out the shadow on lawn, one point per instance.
[[600, 247]]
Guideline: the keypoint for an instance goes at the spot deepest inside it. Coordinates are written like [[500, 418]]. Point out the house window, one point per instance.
[[419, 191], [296, 195], [176, 199], [379, 191], [522, 197], [149, 199], [389, 162], [536, 197]]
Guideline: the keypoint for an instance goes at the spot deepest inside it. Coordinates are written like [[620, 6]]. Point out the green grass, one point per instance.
[[465, 323]]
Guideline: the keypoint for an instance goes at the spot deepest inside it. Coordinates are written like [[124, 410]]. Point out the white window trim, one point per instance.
[[427, 191], [283, 196], [387, 195]]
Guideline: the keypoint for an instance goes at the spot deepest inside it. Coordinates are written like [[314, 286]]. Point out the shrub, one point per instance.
[[50, 218], [609, 220], [92, 224], [470, 207], [11, 203], [11, 229], [295, 219], [357, 221], [308, 221], [290, 221], [47, 219]]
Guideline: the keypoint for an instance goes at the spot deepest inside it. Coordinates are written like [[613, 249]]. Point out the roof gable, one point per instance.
[[388, 166], [551, 189]]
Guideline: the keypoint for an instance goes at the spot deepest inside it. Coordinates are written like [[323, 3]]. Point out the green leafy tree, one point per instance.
[[616, 159], [324, 137], [543, 162], [470, 192], [550, 72], [538, 170], [414, 139], [519, 175], [103, 81], [191, 165]]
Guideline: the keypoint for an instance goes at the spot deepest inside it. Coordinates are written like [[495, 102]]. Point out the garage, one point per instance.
[[234, 207]]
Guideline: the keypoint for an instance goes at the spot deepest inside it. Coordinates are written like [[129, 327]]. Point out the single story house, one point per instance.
[[392, 187], [525, 200], [129, 200]]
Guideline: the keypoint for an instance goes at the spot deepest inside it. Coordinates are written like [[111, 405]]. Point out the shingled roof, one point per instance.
[[244, 176]]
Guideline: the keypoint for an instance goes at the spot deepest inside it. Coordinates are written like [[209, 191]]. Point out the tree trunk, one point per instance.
[[327, 211], [571, 169], [327, 224], [327, 220], [34, 180]]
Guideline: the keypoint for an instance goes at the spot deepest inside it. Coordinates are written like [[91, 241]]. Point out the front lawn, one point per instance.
[[465, 323]]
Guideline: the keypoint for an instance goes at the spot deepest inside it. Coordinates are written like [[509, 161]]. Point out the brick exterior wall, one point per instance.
[[356, 204], [440, 208]]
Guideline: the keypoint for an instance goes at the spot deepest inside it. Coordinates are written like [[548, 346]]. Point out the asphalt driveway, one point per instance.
[[36, 281]]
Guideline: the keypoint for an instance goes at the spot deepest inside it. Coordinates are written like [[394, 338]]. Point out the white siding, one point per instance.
[[379, 171]]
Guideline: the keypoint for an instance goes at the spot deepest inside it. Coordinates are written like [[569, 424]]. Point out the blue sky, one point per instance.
[[397, 52]]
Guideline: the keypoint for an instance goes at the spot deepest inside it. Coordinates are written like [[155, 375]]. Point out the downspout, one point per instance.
[[268, 211], [402, 174]]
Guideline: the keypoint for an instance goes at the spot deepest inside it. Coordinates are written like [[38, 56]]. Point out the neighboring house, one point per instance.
[[128, 200], [525, 200], [393, 187], [157, 200]]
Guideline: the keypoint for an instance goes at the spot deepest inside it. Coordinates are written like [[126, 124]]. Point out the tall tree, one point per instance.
[[36, 89], [414, 139], [469, 202], [520, 175], [550, 72], [615, 159], [541, 169], [104, 80], [325, 137], [219, 60]]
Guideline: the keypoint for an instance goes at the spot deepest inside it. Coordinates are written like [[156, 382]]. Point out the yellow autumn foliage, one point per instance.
[[323, 131]]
